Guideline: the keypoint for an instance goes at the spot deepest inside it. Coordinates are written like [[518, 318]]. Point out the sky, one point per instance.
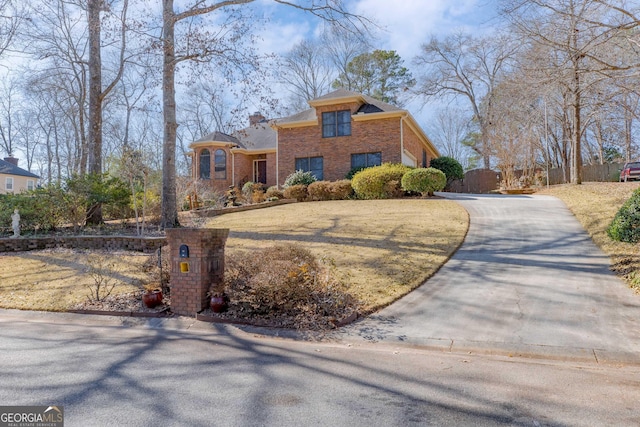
[[406, 24]]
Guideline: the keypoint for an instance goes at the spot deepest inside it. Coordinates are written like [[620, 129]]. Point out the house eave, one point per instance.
[[411, 122], [293, 125], [238, 150], [333, 101], [204, 144], [363, 117]]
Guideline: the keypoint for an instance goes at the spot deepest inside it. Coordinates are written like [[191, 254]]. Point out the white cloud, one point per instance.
[[409, 23]]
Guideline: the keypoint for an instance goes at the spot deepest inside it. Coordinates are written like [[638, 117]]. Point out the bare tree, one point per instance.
[[448, 130], [579, 36], [307, 72], [467, 67], [11, 15]]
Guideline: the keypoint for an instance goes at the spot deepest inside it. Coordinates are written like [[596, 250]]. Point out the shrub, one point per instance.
[[253, 192], [247, 190], [424, 180], [41, 209], [625, 226], [320, 190], [450, 166], [354, 171], [379, 182], [273, 193], [299, 178], [341, 190], [287, 285], [298, 192]]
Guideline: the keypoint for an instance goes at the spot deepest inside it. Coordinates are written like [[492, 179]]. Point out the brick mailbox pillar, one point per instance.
[[197, 262]]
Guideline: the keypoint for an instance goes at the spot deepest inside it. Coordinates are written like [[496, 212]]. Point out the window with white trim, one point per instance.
[[8, 184]]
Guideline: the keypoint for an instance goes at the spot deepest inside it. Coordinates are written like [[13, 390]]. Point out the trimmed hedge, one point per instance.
[[298, 192], [424, 180], [326, 190], [379, 182]]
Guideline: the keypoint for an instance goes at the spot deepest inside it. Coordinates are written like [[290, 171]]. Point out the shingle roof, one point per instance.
[[259, 136], [218, 137], [11, 169]]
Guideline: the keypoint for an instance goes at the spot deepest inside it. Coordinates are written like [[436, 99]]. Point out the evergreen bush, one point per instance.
[[379, 182], [450, 166], [625, 226], [424, 180]]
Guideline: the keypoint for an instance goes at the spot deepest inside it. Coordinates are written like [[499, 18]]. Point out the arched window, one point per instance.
[[205, 164], [220, 164]]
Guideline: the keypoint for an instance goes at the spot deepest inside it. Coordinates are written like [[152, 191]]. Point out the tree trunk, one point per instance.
[[576, 161], [169, 204], [95, 101]]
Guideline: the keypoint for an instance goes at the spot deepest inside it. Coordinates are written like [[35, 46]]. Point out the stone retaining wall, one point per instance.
[[109, 243]]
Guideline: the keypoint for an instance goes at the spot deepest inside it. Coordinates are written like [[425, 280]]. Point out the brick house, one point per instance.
[[341, 131], [14, 179]]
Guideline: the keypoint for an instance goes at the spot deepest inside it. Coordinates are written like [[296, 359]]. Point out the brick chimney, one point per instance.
[[11, 160], [256, 118]]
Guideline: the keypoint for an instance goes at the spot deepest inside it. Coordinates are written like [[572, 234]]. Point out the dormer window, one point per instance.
[[336, 123]]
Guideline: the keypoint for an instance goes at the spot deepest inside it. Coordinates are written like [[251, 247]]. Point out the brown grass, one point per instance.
[[382, 249], [57, 280], [595, 204]]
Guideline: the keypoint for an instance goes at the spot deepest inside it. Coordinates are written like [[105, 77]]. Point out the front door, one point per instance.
[[260, 171]]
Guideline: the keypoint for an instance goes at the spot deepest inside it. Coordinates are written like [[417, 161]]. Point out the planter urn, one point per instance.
[[152, 299], [219, 303]]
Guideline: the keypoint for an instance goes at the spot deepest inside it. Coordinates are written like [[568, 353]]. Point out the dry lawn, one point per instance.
[[57, 280], [382, 249], [595, 204]]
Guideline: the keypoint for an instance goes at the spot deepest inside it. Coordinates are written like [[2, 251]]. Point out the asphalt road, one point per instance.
[[528, 280], [107, 371]]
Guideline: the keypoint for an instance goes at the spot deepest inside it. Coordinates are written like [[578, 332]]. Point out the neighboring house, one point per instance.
[[341, 131], [14, 179]]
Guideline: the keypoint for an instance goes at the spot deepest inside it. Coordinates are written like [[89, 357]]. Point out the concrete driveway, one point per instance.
[[527, 281]]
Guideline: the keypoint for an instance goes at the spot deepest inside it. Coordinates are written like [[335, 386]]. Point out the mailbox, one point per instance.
[[184, 251]]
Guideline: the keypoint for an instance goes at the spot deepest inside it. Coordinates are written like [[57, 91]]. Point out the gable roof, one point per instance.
[[8, 168], [339, 96]]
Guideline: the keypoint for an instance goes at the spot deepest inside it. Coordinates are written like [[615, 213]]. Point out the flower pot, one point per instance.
[[152, 299], [219, 303]]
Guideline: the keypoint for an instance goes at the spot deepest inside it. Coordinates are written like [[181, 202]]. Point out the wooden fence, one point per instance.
[[479, 181]]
